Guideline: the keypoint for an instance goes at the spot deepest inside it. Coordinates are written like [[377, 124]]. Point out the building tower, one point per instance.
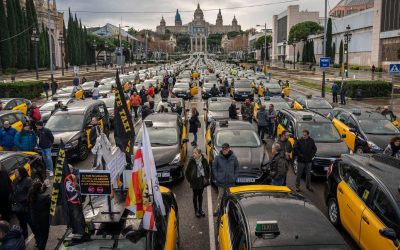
[[178, 20], [234, 21], [162, 22], [198, 13], [219, 21]]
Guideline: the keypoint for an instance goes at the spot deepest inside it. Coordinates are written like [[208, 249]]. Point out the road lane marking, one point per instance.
[[210, 219]]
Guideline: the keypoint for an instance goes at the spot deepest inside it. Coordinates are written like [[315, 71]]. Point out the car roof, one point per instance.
[[299, 114], [6, 100], [363, 114], [5, 154], [235, 125], [297, 218], [385, 168], [163, 119], [219, 99], [79, 107]]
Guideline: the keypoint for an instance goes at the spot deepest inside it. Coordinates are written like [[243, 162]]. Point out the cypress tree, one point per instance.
[[333, 53], [12, 28], [341, 52], [65, 45], [82, 44], [312, 54], [70, 39], [303, 57], [5, 46], [22, 62], [77, 42], [31, 18], [329, 38]]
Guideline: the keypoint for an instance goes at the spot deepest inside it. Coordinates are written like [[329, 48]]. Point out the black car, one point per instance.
[[72, 126], [242, 90], [206, 89], [47, 109], [330, 145]]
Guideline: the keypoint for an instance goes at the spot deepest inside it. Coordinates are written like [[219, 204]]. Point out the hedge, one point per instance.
[[26, 89], [376, 88]]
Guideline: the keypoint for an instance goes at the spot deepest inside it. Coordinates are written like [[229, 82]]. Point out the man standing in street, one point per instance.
[[232, 111], [305, 150], [95, 132], [164, 93], [46, 87], [279, 165], [247, 111], [135, 103], [286, 148], [26, 139], [143, 95], [46, 140], [54, 87], [7, 134], [262, 121], [271, 120], [335, 92], [225, 170], [11, 237], [214, 91]]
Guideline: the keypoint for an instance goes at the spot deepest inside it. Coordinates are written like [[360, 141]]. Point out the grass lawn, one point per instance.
[[312, 85]]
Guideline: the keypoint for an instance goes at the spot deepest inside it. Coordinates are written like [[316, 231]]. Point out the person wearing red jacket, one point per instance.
[[135, 102], [150, 91]]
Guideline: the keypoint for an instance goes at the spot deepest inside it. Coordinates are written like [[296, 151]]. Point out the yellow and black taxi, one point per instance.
[[251, 152], [15, 117], [273, 217], [364, 131], [72, 125], [171, 104], [329, 142], [272, 89], [317, 104], [362, 196], [241, 90], [67, 92], [31, 161], [185, 89], [168, 138], [122, 230], [216, 109], [20, 104], [278, 102]]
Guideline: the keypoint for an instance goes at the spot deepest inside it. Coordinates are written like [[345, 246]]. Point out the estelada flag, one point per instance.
[[148, 218], [124, 132], [136, 198]]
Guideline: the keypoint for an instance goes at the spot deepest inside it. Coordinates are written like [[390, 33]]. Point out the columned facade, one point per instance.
[[198, 43]]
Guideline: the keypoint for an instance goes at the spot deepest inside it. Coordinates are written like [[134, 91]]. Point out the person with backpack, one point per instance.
[[25, 140], [247, 111], [194, 125], [34, 115]]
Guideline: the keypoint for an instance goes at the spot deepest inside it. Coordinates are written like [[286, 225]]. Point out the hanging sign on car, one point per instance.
[[95, 182]]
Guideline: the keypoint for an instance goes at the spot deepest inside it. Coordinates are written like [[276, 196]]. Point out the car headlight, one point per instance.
[[176, 159], [373, 146], [71, 144]]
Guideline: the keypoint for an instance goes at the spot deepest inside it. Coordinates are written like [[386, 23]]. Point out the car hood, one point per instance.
[[164, 154], [331, 150], [62, 95], [218, 115], [243, 90], [324, 112], [250, 159], [380, 140], [275, 90], [64, 136], [45, 115]]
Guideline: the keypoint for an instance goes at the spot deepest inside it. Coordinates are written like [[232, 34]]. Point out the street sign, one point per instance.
[[394, 68], [324, 62], [95, 182]]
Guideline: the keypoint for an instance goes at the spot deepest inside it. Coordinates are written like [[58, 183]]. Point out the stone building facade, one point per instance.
[[348, 7]]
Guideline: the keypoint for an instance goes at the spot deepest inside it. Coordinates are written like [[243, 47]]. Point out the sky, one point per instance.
[[247, 17]]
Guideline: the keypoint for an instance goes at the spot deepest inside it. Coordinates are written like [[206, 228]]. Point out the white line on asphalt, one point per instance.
[[210, 219], [29, 239]]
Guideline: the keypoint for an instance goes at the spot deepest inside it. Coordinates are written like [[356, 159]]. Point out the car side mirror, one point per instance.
[[390, 234], [343, 136], [186, 140]]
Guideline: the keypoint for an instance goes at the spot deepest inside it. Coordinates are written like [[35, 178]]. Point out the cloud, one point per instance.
[[247, 17]]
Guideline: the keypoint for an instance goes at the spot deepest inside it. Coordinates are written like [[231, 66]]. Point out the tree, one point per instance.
[[22, 39], [298, 55], [5, 45], [261, 40], [132, 31], [12, 28], [302, 30], [31, 18], [333, 53], [328, 38], [341, 52]]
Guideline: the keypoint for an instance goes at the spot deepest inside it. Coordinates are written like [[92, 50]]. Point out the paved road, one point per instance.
[[200, 233]]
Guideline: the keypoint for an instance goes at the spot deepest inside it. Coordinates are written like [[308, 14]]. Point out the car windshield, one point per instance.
[[106, 244], [318, 104], [65, 122], [237, 138], [320, 132], [278, 105], [65, 90], [110, 102], [183, 85], [379, 127], [48, 106], [243, 85], [160, 136], [219, 106], [273, 86], [209, 85]]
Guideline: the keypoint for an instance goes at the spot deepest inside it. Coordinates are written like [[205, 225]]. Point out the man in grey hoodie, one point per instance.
[[225, 170]]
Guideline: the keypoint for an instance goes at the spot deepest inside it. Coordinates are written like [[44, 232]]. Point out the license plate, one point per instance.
[[54, 154], [245, 95], [163, 175], [326, 168], [245, 180]]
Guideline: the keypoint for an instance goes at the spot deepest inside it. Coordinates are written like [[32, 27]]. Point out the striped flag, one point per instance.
[[136, 198], [148, 218]]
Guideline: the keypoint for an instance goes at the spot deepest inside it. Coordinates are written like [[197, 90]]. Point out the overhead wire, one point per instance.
[[16, 35]]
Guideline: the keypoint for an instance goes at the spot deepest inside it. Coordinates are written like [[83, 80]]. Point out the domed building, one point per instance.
[[198, 28]]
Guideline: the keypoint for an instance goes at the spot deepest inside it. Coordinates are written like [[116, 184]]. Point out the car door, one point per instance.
[[88, 116], [352, 193], [283, 121], [172, 230], [381, 213], [291, 129], [21, 106], [297, 103], [224, 239], [340, 122], [10, 164], [103, 118], [14, 121], [182, 137]]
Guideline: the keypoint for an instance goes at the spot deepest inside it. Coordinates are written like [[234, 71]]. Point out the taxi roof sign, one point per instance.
[[267, 229], [223, 123]]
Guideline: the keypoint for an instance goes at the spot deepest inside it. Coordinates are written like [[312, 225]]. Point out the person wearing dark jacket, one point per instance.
[[46, 140], [146, 110], [11, 237], [279, 165], [214, 91], [233, 111], [21, 185], [194, 124], [25, 140], [225, 170], [46, 87], [5, 194], [262, 121], [197, 174], [335, 91], [178, 109], [247, 111], [164, 93], [39, 206], [393, 149], [7, 134], [285, 144], [95, 132], [143, 95], [304, 150]]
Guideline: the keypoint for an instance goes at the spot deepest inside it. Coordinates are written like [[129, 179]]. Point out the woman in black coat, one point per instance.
[[5, 194], [194, 125], [39, 205], [198, 174]]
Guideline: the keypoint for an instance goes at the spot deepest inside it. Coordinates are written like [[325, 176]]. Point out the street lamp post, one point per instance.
[[284, 53], [294, 53], [50, 45], [61, 40], [95, 57], [265, 47], [347, 39], [105, 53], [35, 40]]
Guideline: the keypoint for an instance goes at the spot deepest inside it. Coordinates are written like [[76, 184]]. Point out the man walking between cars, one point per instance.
[[135, 102], [262, 121], [271, 121], [304, 149], [286, 147], [225, 170], [279, 165], [335, 92], [46, 140], [247, 111]]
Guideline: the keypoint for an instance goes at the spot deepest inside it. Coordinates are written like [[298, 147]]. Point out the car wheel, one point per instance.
[[333, 212], [83, 151], [295, 167], [359, 150]]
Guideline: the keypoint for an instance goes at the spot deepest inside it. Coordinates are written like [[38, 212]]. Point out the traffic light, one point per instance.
[[346, 68], [346, 48]]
